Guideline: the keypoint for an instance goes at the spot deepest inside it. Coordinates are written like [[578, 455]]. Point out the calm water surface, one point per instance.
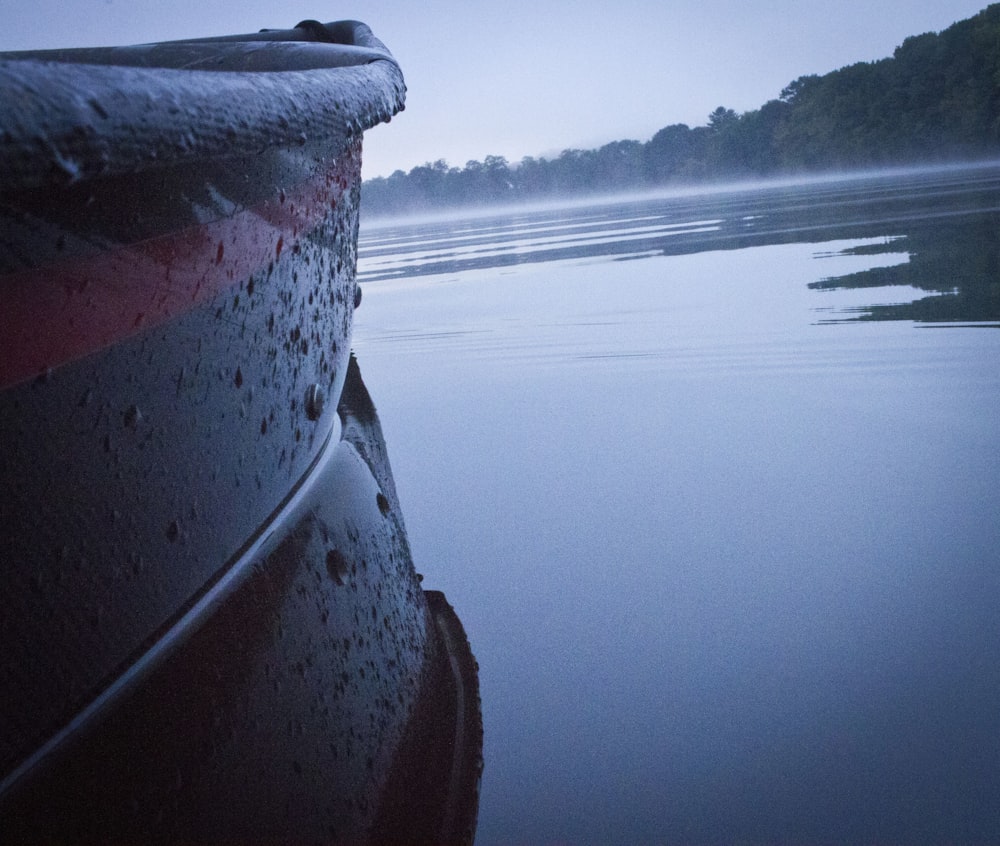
[[714, 484]]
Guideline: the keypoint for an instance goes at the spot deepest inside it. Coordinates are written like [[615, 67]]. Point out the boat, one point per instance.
[[212, 626]]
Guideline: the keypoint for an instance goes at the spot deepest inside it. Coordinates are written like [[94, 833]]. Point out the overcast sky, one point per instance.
[[521, 78]]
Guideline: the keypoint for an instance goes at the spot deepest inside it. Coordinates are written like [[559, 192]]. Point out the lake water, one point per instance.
[[713, 481]]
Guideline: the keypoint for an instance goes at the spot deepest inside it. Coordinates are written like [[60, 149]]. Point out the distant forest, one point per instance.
[[936, 99]]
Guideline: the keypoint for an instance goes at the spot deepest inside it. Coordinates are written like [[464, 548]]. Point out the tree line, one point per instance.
[[936, 99]]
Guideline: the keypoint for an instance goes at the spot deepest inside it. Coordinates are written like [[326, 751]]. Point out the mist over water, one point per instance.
[[716, 504]]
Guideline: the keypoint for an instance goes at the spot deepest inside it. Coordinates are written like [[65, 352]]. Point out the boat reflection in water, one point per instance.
[[213, 629]]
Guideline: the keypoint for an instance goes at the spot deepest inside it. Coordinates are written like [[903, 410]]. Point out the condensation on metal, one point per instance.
[[65, 119]]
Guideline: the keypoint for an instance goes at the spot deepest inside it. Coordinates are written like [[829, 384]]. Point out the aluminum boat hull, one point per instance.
[[212, 626]]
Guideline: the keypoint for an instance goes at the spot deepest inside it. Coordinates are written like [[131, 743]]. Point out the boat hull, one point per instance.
[[213, 627], [308, 695]]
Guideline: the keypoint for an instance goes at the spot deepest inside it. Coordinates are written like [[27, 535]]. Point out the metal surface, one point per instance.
[[313, 695], [212, 627]]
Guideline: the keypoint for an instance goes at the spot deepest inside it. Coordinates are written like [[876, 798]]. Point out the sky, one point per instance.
[[521, 78]]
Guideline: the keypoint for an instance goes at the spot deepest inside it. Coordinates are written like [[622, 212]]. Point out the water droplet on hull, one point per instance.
[[314, 402]]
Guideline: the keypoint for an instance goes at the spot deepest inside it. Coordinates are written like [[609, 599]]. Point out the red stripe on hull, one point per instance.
[[60, 312]]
